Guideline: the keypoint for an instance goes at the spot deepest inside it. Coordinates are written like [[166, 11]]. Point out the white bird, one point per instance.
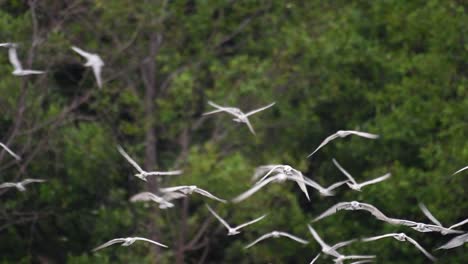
[[147, 196], [357, 186], [342, 258], [284, 170], [276, 234], [93, 61], [142, 173], [189, 189], [354, 205], [327, 249], [13, 57], [10, 151], [422, 227], [435, 221], [455, 242], [322, 190], [21, 186], [460, 170], [342, 134], [241, 117], [127, 242], [233, 231], [402, 237], [280, 178], [315, 259]]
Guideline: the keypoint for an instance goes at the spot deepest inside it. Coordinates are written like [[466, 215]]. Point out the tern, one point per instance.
[[342, 134], [455, 242], [127, 242], [189, 189], [241, 117], [315, 259], [460, 170], [324, 191], [10, 151], [284, 170], [357, 186], [327, 249], [147, 196], [422, 227], [402, 237], [13, 57], [354, 205], [280, 178], [435, 221], [142, 173], [233, 231], [93, 61], [276, 234], [21, 186]]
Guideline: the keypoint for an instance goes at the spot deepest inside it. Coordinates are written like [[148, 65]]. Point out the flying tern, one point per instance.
[[93, 61], [189, 189], [240, 116], [342, 134], [13, 57], [276, 234], [127, 242], [21, 186], [233, 231], [435, 221], [142, 173], [147, 196], [354, 205], [357, 186], [327, 249]]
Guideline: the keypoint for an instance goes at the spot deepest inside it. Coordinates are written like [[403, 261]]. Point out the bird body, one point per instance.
[[277, 234], [127, 242]]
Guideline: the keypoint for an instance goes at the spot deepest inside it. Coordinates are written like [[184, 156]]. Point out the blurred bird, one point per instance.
[[241, 117], [93, 61], [127, 242], [233, 231], [13, 57], [402, 237], [342, 134], [357, 186], [327, 249], [276, 234], [147, 196], [189, 189], [10, 151], [20, 185], [435, 221], [142, 173], [354, 205]]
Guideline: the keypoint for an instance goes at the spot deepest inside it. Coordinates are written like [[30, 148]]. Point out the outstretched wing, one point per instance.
[[259, 109], [317, 237], [455, 242], [152, 173], [337, 207], [363, 134], [13, 57], [374, 211], [459, 224], [7, 185], [109, 243], [218, 217], [328, 139], [376, 180], [428, 214], [28, 181], [221, 108], [262, 169], [150, 241], [247, 122], [83, 53], [181, 188], [209, 195], [378, 237], [258, 240], [97, 74], [253, 190], [315, 259], [412, 241], [251, 222], [335, 185], [10, 151], [295, 238], [129, 159], [342, 244], [344, 171], [460, 170]]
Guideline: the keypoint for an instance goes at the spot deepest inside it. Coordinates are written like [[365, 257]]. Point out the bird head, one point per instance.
[[355, 205]]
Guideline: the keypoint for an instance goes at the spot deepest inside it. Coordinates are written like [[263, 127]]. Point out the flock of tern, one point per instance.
[[264, 175]]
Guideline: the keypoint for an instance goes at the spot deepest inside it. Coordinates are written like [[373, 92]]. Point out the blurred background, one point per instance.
[[393, 68]]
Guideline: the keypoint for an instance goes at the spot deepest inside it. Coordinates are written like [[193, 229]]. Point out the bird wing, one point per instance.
[[83, 53], [455, 242], [209, 195], [363, 134], [27, 72], [218, 217], [260, 170], [362, 261], [150, 241], [378, 237], [97, 73], [28, 181], [374, 211], [335, 185], [147, 196], [181, 188], [152, 173], [342, 244], [328, 139], [129, 159], [247, 122], [316, 257], [253, 190], [295, 238], [299, 178], [428, 214], [223, 108], [396, 221], [376, 180], [259, 109], [459, 224], [412, 241], [13, 57], [108, 243], [344, 171], [460, 170], [317, 237], [10, 151], [337, 207], [250, 222], [173, 195], [7, 185], [258, 240]]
